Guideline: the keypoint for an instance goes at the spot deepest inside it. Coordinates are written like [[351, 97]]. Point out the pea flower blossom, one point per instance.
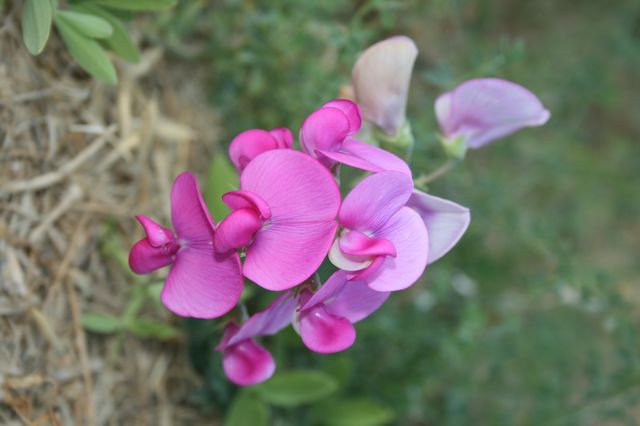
[[251, 143]]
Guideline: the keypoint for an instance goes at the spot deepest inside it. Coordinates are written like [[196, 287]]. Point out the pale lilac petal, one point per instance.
[[445, 220], [407, 232], [332, 287], [237, 230], [358, 244], [283, 136], [346, 262], [202, 283], [483, 110], [145, 258], [355, 153], [374, 200], [156, 234], [247, 363], [324, 130], [189, 214], [325, 333], [381, 79], [244, 199], [304, 200], [249, 144], [351, 110]]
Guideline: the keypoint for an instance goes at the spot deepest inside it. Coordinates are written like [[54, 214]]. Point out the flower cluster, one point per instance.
[[288, 216]]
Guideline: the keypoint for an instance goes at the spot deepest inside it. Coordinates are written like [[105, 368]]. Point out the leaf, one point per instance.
[[86, 24], [293, 388], [87, 52], [36, 24], [247, 409], [354, 412], [150, 329], [119, 42], [101, 323], [137, 5], [222, 178]]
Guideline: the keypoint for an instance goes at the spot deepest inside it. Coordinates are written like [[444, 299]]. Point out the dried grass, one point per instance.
[[73, 155]]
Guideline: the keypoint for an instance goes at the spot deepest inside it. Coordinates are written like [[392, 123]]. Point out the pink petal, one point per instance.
[[407, 232], [244, 199], [360, 155], [350, 109], [381, 79], [283, 136], [304, 199], [156, 234], [358, 244], [325, 333], [145, 258], [374, 200], [324, 130], [189, 214], [346, 262], [202, 283], [445, 220], [247, 363], [251, 143], [237, 230], [486, 109]]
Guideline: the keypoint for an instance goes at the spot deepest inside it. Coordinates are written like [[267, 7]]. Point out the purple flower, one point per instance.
[[325, 319], [284, 215], [201, 282], [244, 361], [381, 79], [485, 109], [251, 143]]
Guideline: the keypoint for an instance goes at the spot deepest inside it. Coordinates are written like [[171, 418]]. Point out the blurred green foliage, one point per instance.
[[533, 319]]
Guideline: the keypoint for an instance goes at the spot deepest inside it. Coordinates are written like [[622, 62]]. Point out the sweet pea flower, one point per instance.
[[201, 282], [244, 361], [325, 319], [327, 134], [284, 215], [485, 109], [381, 78], [251, 143], [382, 242]]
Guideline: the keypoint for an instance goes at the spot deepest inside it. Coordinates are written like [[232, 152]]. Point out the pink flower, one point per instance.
[[284, 214], [244, 361], [201, 283], [486, 109], [251, 143], [325, 319], [381, 79], [382, 242], [327, 134]]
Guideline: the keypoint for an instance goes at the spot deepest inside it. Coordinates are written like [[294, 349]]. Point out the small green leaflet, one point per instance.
[[291, 388], [247, 409], [101, 323], [136, 5], [36, 24], [86, 24], [354, 412]]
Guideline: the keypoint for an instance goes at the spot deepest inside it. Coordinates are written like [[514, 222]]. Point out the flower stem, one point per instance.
[[423, 179]]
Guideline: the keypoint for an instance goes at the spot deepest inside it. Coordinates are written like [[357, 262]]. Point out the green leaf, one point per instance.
[[293, 388], [36, 24], [100, 323], [354, 412], [247, 409], [119, 42], [136, 5], [222, 178], [87, 52], [150, 329], [86, 24]]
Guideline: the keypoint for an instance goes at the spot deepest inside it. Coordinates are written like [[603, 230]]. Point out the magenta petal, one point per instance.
[[244, 199], [351, 110], [145, 258], [485, 109], [156, 234], [324, 130], [283, 136], [249, 144], [363, 156], [304, 200], [247, 363], [407, 232], [446, 222], [237, 230], [374, 200], [203, 284], [356, 243], [325, 333], [189, 214]]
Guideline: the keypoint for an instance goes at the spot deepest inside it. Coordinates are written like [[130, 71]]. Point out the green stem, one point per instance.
[[424, 180]]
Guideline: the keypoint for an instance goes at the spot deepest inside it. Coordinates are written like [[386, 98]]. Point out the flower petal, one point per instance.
[[358, 244], [237, 230], [245, 199], [374, 200], [145, 258], [407, 232], [202, 283], [485, 109], [324, 130], [325, 333], [189, 214], [381, 78], [156, 234], [445, 220], [283, 136], [249, 144], [247, 363], [351, 110]]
